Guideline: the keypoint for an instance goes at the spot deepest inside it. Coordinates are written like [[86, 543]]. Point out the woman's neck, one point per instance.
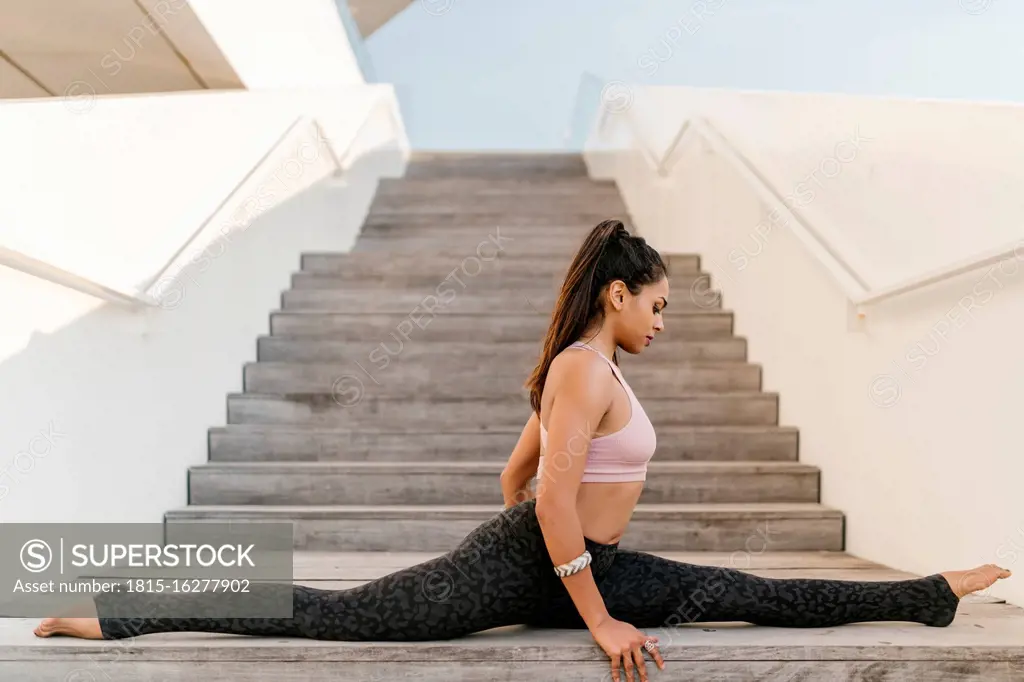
[[601, 342]]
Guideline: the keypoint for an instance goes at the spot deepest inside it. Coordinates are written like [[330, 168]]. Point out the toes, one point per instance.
[[46, 628]]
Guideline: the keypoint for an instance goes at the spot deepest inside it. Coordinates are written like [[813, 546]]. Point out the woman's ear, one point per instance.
[[617, 294]]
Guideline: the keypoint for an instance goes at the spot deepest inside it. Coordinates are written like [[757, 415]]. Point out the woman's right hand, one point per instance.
[[624, 644]]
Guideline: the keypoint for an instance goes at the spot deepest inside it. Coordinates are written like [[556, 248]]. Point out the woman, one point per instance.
[[552, 560]]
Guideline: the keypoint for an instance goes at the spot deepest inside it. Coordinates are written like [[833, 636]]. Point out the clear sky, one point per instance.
[[495, 74]]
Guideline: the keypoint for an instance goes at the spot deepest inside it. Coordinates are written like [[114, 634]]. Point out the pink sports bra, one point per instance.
[[620, 456]]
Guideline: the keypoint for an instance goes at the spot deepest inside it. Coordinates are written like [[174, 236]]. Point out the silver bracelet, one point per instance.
[[574, 566]]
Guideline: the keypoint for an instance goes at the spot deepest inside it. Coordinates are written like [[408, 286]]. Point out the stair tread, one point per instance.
[[496, 303], [803, 509], [426, 276], [685, 363], [684, 349], [983, 634], [502, 345], [672, 259], [581, 217], [310, 562], [701, 429], [495, 466], [512, 314], [393, 184], [700, 395]]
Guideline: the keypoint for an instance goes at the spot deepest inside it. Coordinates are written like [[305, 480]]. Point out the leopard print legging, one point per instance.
[[501, 574]]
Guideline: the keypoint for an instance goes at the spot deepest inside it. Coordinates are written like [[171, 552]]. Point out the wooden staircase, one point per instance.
[[388, 394], [416, 345]]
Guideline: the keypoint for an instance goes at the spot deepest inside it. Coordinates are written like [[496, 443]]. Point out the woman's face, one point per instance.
[[640, 316]]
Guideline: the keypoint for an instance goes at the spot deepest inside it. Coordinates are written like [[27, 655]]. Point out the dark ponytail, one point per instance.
[[608, 253]]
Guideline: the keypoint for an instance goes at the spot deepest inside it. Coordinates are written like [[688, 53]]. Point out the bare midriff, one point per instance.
[[604, 509]]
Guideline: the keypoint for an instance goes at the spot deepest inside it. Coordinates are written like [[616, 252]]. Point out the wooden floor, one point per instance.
[[985, 642]]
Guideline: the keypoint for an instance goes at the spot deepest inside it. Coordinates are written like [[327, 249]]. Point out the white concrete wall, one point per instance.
[[912, 420], [105, 407], [136, 176], [898, 186], [294, 44]]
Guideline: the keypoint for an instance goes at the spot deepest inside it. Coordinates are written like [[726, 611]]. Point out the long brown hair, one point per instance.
[[608, 253]]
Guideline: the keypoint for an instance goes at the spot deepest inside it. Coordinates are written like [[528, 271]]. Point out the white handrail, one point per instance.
[[856, 288], [141, 297], [340, 165], [852, 284], [37, 268], [975, 262]]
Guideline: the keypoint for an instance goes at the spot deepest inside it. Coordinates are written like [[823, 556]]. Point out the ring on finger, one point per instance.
[[650, 645]]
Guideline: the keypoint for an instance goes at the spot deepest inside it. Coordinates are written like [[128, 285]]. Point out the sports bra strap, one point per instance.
[[580, 344]]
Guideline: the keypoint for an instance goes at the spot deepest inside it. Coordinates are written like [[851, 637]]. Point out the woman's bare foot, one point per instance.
[[78, 620], [965, 582], [86, 628]]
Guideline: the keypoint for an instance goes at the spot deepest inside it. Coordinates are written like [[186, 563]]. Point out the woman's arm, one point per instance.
[[522, 464], [582, 395]]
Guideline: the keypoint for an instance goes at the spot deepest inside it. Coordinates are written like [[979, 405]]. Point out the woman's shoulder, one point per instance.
[[580, 368]]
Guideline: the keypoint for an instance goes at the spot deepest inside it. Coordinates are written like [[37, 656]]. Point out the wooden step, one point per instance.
[[472, 243], [470, 186], [491, 239], [470, 216], [453, 375], [695, 527], [416, 325], [446, 482], [983, 643], [354, 406], [309, 566], [255, 442], [475, 278], [495, 233], [445, 259], [523, 166], [351, 568], [597, 204], [450, 296], [523, 354]]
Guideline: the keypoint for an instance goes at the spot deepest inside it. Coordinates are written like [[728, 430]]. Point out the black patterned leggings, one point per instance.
[[501, 574]]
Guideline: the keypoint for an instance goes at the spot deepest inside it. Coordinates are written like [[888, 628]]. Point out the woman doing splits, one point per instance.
[[551, 557]]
